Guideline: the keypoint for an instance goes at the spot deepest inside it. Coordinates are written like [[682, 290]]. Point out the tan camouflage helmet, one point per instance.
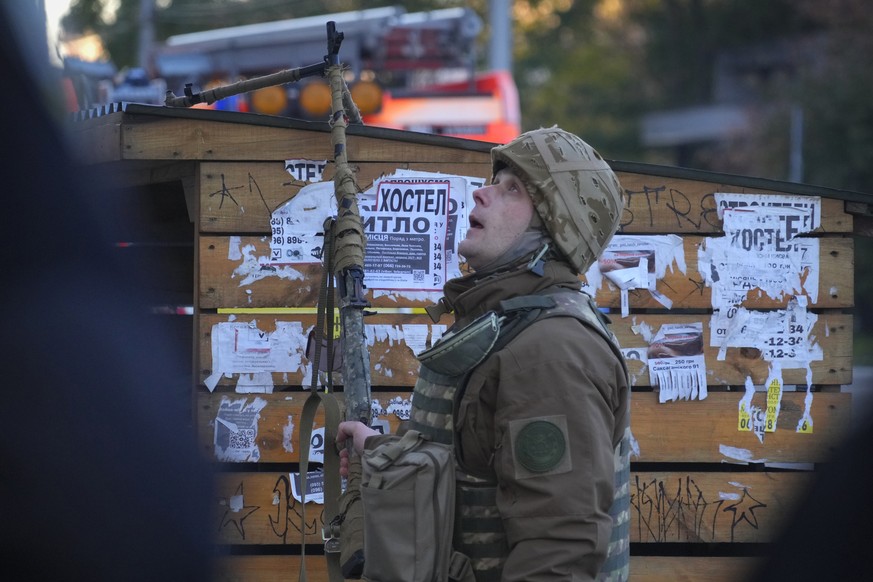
[[574, 190]]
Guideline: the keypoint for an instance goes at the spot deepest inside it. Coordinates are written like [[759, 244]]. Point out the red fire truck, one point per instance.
[[412, 71]]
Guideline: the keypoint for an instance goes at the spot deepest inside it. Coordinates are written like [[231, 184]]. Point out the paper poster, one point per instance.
[[637, 262], [407, 235], [242, 347], [761, 248], [236, 430], [412, 222], [676, 362]]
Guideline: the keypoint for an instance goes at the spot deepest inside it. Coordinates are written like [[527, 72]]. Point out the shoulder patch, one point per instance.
[[540, 446]]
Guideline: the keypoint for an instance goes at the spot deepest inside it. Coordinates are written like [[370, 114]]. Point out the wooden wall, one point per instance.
[[699, 509]]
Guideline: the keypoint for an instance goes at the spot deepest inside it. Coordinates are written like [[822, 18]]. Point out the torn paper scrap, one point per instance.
[[745, 407], [256, 383], [297, 226], [314, 486], [804, 425], [316, 446], [809, 207], [306, 170], [676, 362], [236, 430], [738, 455], [639, 355], [782, 336], [637, 262]]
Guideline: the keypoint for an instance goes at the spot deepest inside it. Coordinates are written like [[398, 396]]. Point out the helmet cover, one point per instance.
[[574, 190]]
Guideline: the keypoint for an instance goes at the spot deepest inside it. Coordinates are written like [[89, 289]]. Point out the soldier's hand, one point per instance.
[[358, 433]]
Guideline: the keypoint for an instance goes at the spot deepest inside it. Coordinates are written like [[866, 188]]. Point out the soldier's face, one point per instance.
[[502, 213]]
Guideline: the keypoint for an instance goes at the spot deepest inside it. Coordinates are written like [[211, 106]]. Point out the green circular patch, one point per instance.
[[539, 446]]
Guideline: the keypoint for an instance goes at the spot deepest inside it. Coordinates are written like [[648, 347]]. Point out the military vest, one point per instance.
[[443, 375]]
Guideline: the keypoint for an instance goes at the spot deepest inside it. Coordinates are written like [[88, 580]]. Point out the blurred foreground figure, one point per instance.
[[99, 474], [825, 537]]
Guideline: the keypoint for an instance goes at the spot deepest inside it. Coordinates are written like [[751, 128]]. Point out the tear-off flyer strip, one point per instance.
[[676, 362], [236, 430], [637, 262]]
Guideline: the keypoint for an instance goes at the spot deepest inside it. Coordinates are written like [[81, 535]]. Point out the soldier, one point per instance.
[[539, 417]]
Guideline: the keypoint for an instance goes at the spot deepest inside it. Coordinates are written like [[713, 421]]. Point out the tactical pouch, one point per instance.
[[449, 359], [408, 492]]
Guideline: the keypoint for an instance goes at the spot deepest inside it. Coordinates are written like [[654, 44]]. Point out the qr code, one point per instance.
[[418, 275], [243, 439]]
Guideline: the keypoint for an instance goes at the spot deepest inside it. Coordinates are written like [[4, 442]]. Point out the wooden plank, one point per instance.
[[147, 173], [707, 431], [238, 197], [656, 204], [249, 188], [223, 273], [96, 141], [642, 568], [278, 423], [268, 568], [393, 362], [200, 139], [666, 507], [691, 569], [696, 431]]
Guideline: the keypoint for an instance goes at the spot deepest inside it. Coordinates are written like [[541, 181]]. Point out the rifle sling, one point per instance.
[[332, 487]]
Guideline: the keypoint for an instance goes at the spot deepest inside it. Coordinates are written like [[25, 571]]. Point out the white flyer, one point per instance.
[[236, 430], [676, 362], [243, 348]]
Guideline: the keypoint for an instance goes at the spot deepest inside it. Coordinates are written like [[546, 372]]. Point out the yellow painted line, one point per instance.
[[312, 310]]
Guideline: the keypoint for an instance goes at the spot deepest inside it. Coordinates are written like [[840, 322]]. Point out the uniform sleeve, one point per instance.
[[553, 397]]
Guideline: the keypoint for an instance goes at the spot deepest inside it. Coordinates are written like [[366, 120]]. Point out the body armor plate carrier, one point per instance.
[[442, 378]]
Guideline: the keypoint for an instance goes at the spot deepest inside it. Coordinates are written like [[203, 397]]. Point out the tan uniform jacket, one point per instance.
[[558, 374]]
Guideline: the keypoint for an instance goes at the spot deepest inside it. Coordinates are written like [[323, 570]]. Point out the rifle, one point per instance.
[[346, 259]]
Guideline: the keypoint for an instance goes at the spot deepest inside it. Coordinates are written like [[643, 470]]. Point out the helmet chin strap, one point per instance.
[[536, 264]]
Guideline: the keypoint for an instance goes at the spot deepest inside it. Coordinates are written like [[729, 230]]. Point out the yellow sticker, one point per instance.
[[805, 425], [337, 324], [745, 420], [774, 398]]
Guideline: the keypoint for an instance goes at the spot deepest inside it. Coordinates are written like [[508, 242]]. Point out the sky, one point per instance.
[[54, 10]]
